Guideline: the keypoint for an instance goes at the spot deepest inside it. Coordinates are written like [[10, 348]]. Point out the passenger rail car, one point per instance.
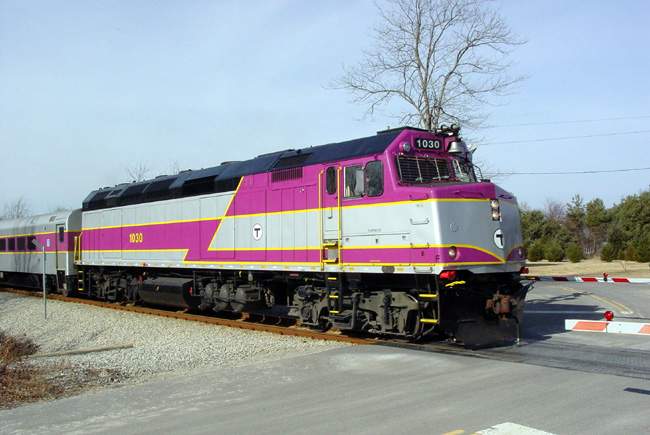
[[21, 262], [391, 234]]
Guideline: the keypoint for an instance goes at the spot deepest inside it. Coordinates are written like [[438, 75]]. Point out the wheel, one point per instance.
[[323, 323], [67, 292]]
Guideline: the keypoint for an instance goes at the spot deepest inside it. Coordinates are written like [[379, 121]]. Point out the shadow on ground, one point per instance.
[[545, 317]]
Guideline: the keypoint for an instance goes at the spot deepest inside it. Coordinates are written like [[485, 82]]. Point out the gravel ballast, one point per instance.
[[160, 345]]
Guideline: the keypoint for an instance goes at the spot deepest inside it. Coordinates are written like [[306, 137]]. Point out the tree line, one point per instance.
[[577, 230]]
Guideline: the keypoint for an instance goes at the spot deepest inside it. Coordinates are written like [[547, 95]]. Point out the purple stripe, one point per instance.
[[180, 235], [55, 245], [271, 256], [415, 256]]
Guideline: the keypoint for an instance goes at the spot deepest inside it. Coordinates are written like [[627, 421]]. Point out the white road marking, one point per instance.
[[512, 429], [619, 307]]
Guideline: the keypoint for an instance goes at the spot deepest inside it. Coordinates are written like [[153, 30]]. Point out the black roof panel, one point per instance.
[[227, 175]]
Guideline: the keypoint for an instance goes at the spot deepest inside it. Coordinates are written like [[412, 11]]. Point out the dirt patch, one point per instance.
[[22, 381], [591, 267]]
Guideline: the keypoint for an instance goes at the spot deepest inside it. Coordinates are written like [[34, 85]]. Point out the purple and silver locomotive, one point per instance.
[[392, 234]]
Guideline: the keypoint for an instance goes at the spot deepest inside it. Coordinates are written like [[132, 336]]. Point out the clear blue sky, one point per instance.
[[88, 88]]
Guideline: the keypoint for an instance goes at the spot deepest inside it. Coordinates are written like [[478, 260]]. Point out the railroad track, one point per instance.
[[246, 322], [631, 363], [249, 323]]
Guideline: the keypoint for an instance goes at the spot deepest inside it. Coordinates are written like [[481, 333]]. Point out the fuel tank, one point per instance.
[[168, 292]]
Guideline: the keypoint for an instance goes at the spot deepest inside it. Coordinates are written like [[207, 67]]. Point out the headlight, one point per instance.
[[453, 252], [406, 147], [496, 210]]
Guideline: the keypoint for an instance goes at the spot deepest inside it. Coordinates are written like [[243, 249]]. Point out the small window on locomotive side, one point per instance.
[[20, 242], [354, 181], [61, 234], [12, 244], [30, 243], [375, 178], [3, 245], [330, 180]]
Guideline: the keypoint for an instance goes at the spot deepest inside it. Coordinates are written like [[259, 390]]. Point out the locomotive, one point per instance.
[[395, 234]]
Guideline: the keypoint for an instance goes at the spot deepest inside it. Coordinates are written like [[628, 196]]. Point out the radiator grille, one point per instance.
[[414, 170], [286, 174]]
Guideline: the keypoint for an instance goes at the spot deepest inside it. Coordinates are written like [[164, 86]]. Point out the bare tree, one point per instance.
[[15, 209], [554, 210], [443, 58], [174, 168], [138, 172], [58, 208]]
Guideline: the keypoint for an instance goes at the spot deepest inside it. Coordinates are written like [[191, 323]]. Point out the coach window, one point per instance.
[[21, 243], [354, 182], [61, 234], [3, 244], [375, 178], [12, 244], [330, 180]]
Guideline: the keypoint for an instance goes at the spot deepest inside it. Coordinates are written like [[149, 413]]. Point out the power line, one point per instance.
[[575, 121], [551, 139], [574, 172]]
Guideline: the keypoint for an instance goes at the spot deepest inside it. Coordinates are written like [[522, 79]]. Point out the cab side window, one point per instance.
[[330, 180], [30, 243], [61, 234], [354, 181], [375, 178]]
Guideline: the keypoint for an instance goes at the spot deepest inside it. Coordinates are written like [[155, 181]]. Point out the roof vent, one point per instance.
[[286, 174]]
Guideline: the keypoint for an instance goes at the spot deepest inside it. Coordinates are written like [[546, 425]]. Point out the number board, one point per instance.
[[422, 144]]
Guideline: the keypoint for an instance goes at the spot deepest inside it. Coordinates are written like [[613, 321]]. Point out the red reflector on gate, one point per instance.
[[609, 315], [448, 274]]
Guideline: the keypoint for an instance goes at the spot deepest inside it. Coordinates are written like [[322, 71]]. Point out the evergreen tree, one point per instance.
[[596, 220], [575, 219]]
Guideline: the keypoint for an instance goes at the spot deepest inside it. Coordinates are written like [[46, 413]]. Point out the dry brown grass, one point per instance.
[[21, 382], [591, 267]]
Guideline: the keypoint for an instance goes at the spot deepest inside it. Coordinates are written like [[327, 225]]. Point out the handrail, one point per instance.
[[340, 215], [77, 247], [320, 220]]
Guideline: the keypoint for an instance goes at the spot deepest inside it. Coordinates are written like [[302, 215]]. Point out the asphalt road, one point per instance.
[[550, 303], [555, 381]]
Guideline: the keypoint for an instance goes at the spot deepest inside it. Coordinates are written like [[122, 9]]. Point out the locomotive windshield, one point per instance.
[[429, 170], [464, 170]]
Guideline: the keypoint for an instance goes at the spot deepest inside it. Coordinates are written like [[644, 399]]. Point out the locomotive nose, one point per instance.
[[507, 236]]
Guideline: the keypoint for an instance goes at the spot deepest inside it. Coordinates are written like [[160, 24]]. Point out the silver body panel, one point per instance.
[[59, 255]]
